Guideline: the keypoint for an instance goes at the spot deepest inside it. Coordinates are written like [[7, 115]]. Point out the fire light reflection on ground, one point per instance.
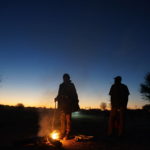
[[68, 143], [73, 145]]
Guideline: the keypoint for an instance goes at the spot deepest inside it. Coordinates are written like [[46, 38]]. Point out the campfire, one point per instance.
[[55, 135], [51, 140]]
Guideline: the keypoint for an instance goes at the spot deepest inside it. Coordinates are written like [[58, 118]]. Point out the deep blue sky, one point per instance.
[[91, 40]]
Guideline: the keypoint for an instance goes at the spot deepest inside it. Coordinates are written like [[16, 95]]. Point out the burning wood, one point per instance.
[[53, 138], [83, 138], [52, 141]]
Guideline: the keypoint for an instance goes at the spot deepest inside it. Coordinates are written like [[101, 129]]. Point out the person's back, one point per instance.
[[119, 98], [67, 97], [119, 95]]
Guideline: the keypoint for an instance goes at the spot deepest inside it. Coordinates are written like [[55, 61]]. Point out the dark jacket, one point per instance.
[[67, 97], [119, 95]]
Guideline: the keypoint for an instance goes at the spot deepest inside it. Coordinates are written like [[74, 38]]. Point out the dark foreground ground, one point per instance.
[[18, 125]]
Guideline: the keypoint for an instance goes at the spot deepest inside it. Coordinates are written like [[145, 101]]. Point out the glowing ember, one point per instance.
[[54, 135]]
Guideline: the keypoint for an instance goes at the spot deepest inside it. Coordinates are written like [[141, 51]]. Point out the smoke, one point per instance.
[[45, 120]]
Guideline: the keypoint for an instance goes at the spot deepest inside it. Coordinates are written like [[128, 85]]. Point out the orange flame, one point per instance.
[[54, 135]]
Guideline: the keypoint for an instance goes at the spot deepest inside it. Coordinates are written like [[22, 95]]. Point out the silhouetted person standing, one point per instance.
[[67, 103], [119, 98]]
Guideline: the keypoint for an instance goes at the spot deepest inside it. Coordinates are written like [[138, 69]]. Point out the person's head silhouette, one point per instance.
[[118, 79], [66, 77]]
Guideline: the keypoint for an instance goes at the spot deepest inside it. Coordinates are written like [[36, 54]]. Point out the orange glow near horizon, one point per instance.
[[45, 98], [94, 105], [36, 100]]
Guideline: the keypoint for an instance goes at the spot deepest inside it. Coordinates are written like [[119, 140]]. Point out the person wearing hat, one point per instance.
[[119, 99], [67, 99]]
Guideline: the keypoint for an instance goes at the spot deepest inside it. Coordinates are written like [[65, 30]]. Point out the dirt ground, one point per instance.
[[19, 124]]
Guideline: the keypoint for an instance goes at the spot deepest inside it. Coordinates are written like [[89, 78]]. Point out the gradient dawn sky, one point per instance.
[[92, 40]]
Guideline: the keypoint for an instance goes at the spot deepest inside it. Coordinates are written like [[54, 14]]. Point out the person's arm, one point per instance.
[[75, 93], [127, 90], [126, 97], [58, 95], [110, 92]]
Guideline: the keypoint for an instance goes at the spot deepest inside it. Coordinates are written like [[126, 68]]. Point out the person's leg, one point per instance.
[[68, 118], [111, 122], [121, 121], [68, 125], [63, 124]]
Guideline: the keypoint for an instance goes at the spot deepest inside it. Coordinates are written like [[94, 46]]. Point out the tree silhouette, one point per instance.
[[145, 87], [103, 106], [146, 107], [20, 105]]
